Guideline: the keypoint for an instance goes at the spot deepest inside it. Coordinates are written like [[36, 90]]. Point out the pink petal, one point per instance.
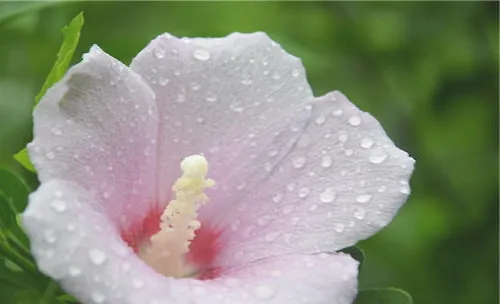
[[342, 182], [97, 267], [224, 97], [97, 127], [288, 182]]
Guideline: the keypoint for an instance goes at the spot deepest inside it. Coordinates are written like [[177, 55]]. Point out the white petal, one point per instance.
[[343, 181], [224, 97], [98, 127], [79, 247]]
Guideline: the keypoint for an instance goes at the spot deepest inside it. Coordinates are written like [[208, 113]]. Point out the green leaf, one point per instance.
[[71, 34], [30, 296], [23, 158], [10, 9], [383, 296], [356, 253]]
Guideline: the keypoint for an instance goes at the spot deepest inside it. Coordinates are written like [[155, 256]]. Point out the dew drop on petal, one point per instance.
[[363, 198], [326, 161], [303, 192], [201, 54], [339, 227], [382, 188], [159, 53], [354, 120], [328, 195], [278, 197], [98, 297], [295, 73], [164, 81], [366, 142], [97, 257], [320, 120], [74, 271], [377, 156], [337, 112], [50, 155], [58, 205], [50, 236], [343, 138], [299, 162], [56, 131], [359, 213]]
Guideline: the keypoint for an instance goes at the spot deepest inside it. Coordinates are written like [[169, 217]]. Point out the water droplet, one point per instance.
[[377, 157], [337, 112], [278, 197], [272, 153], [363, 198], [366, 142], [264, 292], [97, 257], [339, 227], [106, 195], [354, 120], [295, 73], [74, 271], [328, 195], [320, 120], [359, 213], [299, 162], [241, 186], [211, 98], [236, 107], [98, 297], [50, 155], [50, 236], [404, 190], [181, 98], [382, 188], [56, 131], [246, 82], [303, 192], [276, 76], [348, 152], [164, 81], [58, 205], [159, 53], [313, 207], [326, 161], [343, 138], [201, 54]]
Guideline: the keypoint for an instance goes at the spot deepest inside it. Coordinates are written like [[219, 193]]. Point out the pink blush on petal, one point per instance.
[[202, 251], [142, 230]]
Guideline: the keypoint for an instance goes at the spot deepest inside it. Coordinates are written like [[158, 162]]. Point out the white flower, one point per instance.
[[297, 177]]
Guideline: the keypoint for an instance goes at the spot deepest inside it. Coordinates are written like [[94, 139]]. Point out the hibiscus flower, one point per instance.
[[206, 172]]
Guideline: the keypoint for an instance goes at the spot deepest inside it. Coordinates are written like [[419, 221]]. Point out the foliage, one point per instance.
[[427, 70]]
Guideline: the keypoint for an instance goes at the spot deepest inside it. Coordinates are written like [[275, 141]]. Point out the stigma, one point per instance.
[[165, 250]]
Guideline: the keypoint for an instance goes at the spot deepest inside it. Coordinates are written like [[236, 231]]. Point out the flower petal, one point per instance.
[[343, 181], [79, 247], [224, 97], [97, 127]]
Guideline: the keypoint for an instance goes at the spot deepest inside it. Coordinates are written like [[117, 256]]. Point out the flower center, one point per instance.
[[165, 251]]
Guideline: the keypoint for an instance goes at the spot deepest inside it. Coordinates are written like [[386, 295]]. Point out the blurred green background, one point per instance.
[[428, 71]]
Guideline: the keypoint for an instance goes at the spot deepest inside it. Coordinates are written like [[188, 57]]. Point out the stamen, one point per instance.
[[165, 250]]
